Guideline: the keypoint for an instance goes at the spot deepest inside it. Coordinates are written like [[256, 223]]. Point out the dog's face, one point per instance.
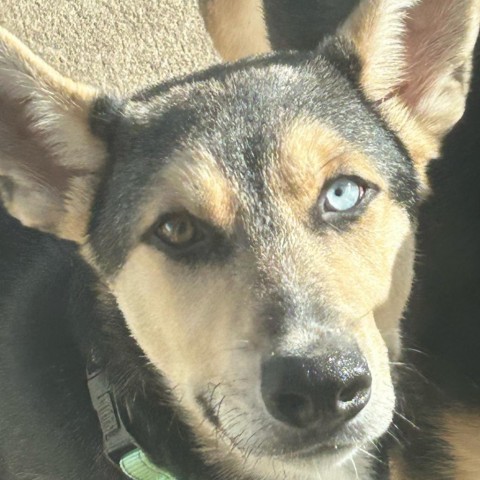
[[257, 236], [268, 231], [255, 224]]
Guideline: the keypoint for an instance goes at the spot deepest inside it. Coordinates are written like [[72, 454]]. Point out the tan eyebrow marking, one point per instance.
[[194, 182], [311, 153]]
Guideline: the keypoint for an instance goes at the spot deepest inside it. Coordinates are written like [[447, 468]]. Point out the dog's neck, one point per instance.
[[143, 400]]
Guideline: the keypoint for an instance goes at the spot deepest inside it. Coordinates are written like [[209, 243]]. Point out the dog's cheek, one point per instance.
[[390, 250], [388, 314], [378, 414], [399, 238], [384, 250], [376, 269], [186, 321]]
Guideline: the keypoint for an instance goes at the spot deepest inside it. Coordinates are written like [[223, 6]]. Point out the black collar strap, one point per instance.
[[119, 446]]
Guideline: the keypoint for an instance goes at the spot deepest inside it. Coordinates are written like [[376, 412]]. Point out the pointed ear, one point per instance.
[[416, 62], [237, 27], [50, 162]]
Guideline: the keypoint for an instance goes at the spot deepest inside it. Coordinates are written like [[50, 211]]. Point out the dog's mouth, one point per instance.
[[318, 450], [210, 412], [303, 445]]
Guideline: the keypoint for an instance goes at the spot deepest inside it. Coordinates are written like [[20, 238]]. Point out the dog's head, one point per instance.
[[254, 222]]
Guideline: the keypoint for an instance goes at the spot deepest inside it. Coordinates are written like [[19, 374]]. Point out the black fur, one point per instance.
[[300, 24]]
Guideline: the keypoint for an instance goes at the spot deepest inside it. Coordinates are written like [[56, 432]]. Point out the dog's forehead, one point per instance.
[[240, 114], [245, 119]]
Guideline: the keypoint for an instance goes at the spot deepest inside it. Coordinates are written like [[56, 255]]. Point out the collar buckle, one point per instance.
[[116, 439], [119, 446]]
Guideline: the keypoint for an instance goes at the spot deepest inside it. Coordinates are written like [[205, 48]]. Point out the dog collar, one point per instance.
[[119, 446], [137, 466]]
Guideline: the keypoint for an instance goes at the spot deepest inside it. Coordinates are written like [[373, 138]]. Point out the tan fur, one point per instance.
[[55, 163], [462, 433], [310, 153], [373, 265], [195, 183], [78, 205], [237, 27], [17, 54], [376, 29], [459, 430], [397, 467]]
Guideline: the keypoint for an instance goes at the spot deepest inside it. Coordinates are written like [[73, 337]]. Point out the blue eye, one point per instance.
[[343, 194]]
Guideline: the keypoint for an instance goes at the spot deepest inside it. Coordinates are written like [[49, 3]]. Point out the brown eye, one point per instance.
[[186, 238], [178, 230]]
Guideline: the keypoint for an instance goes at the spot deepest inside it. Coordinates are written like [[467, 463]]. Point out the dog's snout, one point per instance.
[[320, 392]]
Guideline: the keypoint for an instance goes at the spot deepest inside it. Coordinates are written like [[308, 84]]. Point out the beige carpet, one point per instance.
[[119, 43]]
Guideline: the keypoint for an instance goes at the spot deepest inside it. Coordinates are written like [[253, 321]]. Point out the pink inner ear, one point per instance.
[[436, 32], [25, 149]]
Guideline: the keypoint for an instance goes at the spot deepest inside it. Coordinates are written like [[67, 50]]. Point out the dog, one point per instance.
[[206, 280], [241, 28], [438, 400]]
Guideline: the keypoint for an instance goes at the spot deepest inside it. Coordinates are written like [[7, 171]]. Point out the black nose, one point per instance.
[[327, 390]]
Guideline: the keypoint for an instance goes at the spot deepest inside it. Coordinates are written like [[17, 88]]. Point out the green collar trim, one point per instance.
[[137, 466]]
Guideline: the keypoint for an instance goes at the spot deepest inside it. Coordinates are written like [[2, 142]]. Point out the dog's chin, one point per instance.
[[330, 452], [300, 464], [330, 455], [301, 457]]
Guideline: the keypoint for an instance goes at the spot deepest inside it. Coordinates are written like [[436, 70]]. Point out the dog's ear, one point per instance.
[[50, 161], [237, 27], [416, 62]]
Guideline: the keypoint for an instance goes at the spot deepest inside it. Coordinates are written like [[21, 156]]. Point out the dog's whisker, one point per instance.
[[407, 420], [354, 468], [370, 455]]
